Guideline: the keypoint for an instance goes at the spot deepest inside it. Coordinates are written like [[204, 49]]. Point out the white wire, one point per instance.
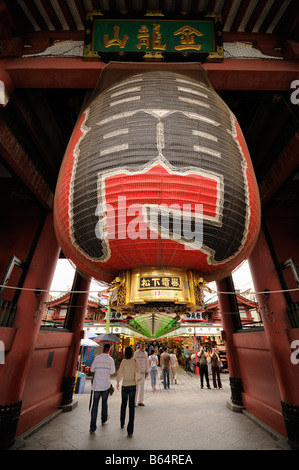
[[266, 291]]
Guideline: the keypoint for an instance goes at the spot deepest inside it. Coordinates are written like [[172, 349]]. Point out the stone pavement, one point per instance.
[[181, 418]]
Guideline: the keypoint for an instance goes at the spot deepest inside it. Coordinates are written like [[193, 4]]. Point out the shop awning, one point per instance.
[[159, 325], [154, 325]]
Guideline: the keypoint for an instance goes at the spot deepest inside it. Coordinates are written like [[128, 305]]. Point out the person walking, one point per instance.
[[187, 356], [173, 366], [160, 352], [142, 360], [209, 361], [151, 349], [102, 367], [215, 368], [165, 364], [126, 373], [203, 367], [153, 369]]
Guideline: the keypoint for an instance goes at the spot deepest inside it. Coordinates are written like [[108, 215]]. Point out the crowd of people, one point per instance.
[[208, 362], [160, 363]]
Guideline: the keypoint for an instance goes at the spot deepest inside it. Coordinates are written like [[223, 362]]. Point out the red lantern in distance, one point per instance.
[[157, 174]]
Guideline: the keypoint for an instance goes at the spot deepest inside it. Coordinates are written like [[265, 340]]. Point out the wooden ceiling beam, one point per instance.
[[225, 10], [40, 40], [37, 15], [33, 128], [81, 10], [194, 6], [270, 17], [285, 165], [277, 118], [255, 15], [22, 23], [112, 5], [211, 5], [239, 15], [21, 165], [95, 4], [285, 25], [7, 24], [51, 14], [294, 27], [67, 14], [231, 74]]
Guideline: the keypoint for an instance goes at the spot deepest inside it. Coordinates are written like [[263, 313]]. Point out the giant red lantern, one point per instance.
[[157, 174]]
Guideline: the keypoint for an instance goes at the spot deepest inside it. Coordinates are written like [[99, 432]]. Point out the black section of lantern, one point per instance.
[[123, 117]]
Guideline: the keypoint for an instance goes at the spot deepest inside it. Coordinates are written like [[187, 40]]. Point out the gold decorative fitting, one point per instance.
[[154, 13], [116, 283], [153, 56], [90, 14]]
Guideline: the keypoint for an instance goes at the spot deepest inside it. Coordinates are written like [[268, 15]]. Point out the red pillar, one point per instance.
[[74, 322], [277, 328], [27, 323], [230, 320], [6, 87]]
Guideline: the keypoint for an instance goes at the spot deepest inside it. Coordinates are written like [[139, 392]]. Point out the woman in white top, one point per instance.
[[126, 373], [174, 364], [153, 367]]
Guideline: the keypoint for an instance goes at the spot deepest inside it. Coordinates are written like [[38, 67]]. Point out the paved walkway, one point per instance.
[[181, 418]]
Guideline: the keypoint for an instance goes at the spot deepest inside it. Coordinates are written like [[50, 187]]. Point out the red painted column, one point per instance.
[[277, 326], [6, 87], [27, 323], [230, 320], [75, 323]]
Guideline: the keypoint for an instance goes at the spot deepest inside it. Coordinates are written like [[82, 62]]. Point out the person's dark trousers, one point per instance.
[[128, 394], [166, 376], [203, 370], [216, 373], [187, 365], [94, 410]]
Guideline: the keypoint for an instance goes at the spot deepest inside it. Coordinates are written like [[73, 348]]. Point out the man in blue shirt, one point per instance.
[[187, 356]]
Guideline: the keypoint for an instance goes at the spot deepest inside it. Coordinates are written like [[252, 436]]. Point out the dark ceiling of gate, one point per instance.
[[262, 16]]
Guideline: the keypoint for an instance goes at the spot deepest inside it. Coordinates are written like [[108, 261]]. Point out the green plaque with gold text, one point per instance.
[[153, 36]]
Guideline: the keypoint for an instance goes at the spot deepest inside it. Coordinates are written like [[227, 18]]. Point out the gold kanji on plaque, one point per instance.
[[145, 283], [157, 46], [175, 282], [165, 281], [115, 41], [144, 38], [187, 37]]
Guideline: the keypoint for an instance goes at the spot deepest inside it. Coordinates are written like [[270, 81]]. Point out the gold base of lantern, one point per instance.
[[149, 286]]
